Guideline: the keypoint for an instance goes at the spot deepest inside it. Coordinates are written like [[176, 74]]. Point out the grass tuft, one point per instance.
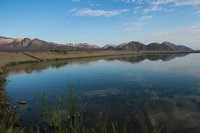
[[8, 117]]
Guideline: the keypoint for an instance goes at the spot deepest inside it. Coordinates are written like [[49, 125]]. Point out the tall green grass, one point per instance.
[[8, 122], [8, 117], [65, 114]]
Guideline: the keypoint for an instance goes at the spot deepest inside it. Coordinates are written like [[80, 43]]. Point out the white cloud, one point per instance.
[[93, 4], [153, 8], [146, 17], [75, 0], [161, 5], [187, 2], [147, 6], [165, 2], [132, 1], [161, 2], [96, 13], [175, 2]]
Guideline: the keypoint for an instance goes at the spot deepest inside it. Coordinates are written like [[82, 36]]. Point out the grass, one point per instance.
[[3, 97], [8, 117], [8, 122], [65, 114]]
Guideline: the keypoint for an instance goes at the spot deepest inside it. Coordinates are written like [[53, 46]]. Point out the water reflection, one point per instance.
[[144, 108], [150, 90], [38, 67], [151, 57]]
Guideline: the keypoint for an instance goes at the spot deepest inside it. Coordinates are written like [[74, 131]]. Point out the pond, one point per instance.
[[144, 90]]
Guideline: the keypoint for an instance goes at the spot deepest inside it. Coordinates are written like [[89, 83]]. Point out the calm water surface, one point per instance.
[[144, 90]]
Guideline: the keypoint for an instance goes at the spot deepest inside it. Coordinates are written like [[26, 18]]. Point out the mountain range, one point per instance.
[[37, 44]]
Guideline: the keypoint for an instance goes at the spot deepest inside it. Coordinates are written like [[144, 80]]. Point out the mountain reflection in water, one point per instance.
[[147, 91], [39, 66], [151, 57]]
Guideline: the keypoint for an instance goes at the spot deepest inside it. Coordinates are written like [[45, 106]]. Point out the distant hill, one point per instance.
[[132, 46], [137, 46], [7, 43], [37, 44], [5, 40], [167, 46]]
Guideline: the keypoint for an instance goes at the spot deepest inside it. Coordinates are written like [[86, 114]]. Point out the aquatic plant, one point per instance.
[[64, 114]]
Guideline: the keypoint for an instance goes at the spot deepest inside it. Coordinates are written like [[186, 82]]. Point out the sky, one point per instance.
[[102, 22]]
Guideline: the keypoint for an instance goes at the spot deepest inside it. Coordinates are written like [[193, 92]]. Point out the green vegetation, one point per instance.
[[59, 51], [65, 114], [8, 121], [3, 105], [3, 73], [8, 117]]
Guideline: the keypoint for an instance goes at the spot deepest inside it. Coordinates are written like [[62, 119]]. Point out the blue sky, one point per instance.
[[103, 22]]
